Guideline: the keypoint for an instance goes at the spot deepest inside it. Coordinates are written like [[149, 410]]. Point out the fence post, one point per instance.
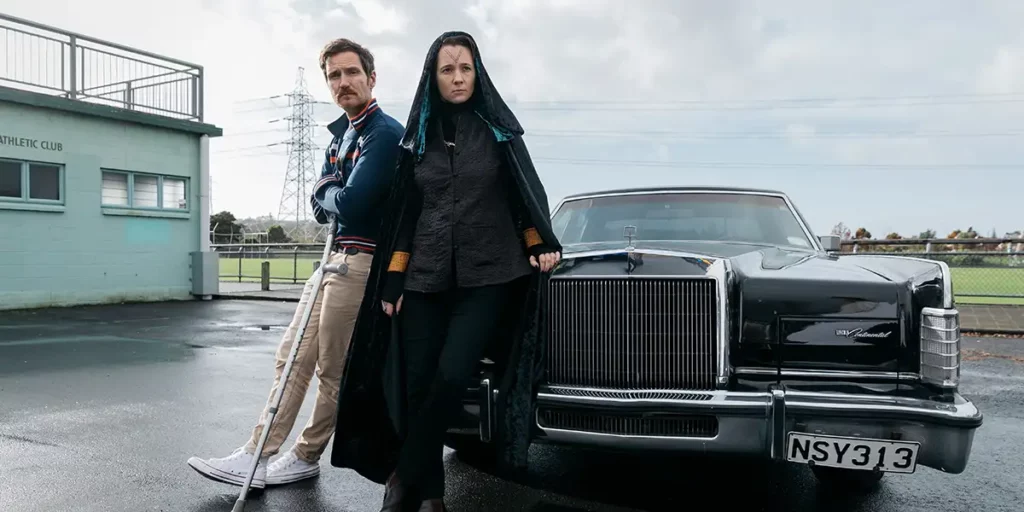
[[73, 47], [265, 276]]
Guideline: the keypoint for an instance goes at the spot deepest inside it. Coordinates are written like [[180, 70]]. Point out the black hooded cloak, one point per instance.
[[367, 437]]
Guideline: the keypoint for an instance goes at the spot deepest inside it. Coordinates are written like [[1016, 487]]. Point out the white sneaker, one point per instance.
[[290, 468], [232, 469]]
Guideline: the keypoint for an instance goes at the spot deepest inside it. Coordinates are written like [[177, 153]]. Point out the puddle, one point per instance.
[[264, 328], [80, 352]]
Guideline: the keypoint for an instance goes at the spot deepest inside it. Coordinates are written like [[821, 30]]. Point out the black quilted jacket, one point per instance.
[[468, 225]]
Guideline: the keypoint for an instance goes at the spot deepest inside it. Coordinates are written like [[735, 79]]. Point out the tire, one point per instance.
[[847, 480]]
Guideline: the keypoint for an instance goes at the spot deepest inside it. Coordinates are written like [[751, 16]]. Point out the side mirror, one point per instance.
[[831, 243]]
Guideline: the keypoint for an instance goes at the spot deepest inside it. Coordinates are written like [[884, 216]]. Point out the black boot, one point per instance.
[[434, 505], [394, 494]]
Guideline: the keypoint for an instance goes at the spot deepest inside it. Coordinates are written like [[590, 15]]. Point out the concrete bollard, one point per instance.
[[265, 276]]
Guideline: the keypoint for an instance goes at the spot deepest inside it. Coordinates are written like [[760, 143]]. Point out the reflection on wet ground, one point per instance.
[[101, 407]]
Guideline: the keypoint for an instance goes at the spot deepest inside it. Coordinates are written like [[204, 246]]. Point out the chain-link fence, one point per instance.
[[268, 263], [985, 270]]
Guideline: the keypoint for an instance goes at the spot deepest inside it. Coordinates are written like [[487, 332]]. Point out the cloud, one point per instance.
[[1004, 71], [694, 68], [378, 18]]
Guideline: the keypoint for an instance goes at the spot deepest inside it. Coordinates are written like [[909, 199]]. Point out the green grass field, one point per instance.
[[281, 270], [991, 285]]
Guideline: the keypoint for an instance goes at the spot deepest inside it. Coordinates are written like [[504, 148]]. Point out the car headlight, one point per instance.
[[940, 347]]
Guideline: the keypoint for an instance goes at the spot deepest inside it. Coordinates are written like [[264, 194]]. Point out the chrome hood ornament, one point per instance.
[[629, 232]]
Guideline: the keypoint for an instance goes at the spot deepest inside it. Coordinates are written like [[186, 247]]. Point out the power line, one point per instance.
[[770, 165], [264, 98], [797, 103], [779, 100], [669, 107], [279, 107], [763, 104], [249, 148], [252, 132], [745, 165], [780, 134], [632, 134]]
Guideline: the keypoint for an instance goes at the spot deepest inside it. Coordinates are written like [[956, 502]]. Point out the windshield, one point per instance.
[[728, 217]]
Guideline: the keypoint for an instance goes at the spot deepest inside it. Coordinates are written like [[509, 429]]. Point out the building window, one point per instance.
[[144, 191], [44, 182], [10, 179], [174, 194], [31, 182], [115, 189]]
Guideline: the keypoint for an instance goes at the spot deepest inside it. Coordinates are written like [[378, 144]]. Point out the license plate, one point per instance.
[[853, 452]]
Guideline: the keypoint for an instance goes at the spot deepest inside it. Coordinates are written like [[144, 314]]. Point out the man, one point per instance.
[[354, 185]]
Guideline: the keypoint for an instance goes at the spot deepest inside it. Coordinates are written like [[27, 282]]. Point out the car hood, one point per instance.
[[748, 260]]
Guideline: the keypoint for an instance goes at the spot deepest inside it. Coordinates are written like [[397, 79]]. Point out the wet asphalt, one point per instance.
[[100, 407]]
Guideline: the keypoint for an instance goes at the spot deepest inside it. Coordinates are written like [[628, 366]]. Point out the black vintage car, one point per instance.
[[712, 320]]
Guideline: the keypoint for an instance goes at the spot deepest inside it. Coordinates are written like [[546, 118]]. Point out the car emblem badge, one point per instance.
[[861, 333]]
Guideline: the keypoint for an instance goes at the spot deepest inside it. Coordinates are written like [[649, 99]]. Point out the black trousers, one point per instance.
[[444, 336]]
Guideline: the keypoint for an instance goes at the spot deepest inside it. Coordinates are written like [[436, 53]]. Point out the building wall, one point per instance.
[[80, 251]]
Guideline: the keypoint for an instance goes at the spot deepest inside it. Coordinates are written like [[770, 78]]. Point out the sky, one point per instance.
[[895, 116]]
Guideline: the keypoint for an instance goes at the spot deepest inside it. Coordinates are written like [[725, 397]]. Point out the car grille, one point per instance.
[[628, 424], [633, 333]]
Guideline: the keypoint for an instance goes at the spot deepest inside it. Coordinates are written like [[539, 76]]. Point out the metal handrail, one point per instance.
[[80, 65], [42, 26]]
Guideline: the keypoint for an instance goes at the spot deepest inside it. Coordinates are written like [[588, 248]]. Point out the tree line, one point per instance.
[[862, 233], [225, 228]]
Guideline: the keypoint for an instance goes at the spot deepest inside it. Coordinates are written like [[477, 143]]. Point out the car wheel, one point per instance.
[[854, 480], [470, 448]]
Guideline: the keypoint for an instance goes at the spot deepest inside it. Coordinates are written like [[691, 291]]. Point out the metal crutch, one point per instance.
[[318, 275]]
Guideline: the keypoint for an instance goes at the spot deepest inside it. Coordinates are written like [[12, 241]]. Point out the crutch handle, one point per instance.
[[336, 268]]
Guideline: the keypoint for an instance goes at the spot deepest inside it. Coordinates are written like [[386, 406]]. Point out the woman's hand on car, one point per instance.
[[547, 261]]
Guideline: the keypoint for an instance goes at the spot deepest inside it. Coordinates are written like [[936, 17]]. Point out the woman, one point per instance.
[[464, 241], [464, 251]]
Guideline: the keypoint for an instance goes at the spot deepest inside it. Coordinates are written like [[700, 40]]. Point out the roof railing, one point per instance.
[[45, 59]]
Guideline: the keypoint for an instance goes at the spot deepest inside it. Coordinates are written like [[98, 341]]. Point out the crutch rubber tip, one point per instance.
[[239, 506]]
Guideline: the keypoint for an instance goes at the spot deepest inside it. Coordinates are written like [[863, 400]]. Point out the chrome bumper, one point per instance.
[[757, 423]]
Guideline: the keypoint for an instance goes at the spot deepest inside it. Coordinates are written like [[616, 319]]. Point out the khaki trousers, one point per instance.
[[323, 349]]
